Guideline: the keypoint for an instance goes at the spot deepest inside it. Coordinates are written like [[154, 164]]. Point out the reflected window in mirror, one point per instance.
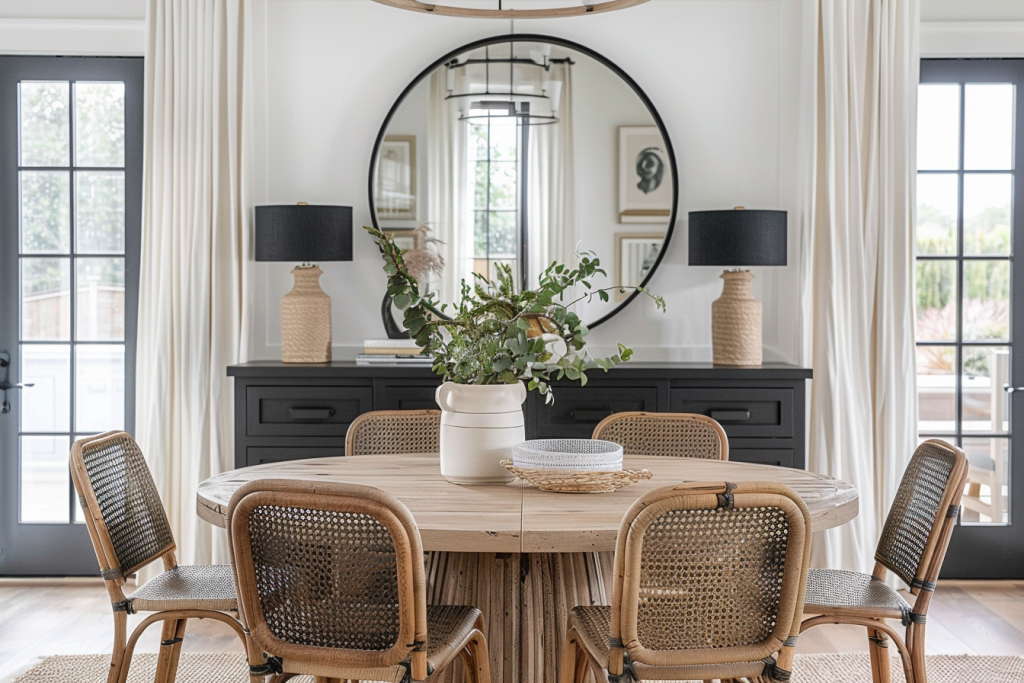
[[494, 168]]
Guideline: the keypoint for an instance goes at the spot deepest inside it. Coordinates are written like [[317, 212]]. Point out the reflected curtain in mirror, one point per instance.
[[449, 216], [552, 184]]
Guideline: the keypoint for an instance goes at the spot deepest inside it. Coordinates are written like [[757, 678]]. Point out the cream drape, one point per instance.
[[449, 212], [857, 255], [552, 184], [194, 277]]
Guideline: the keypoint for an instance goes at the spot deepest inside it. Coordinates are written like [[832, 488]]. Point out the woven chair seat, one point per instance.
[[593, 623], [208, 587], [448, 627], [835, 591]]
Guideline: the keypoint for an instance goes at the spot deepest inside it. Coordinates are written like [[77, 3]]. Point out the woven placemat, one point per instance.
[[230, 668]]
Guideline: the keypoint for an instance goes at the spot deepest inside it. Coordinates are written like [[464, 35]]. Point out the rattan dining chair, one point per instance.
[[331, 584], [913, 545], [682, 435], [383, 432], [709, 583], [129, 530]]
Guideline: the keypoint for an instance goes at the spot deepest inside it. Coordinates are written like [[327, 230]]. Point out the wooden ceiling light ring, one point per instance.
[[554, 12]]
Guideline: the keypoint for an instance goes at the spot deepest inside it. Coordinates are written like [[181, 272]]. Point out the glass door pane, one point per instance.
[[963, 281], [72, 260]]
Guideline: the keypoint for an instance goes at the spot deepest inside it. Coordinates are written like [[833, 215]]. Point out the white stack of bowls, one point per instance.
[[584, 455]]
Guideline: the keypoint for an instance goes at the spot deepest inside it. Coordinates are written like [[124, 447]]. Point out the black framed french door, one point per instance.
[[970, 298], [71, 133]]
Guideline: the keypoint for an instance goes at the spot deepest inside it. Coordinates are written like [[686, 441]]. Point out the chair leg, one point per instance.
[[118, 662], [570, 654], [171, 636], [917, 654], [477, 659], [878, 645]]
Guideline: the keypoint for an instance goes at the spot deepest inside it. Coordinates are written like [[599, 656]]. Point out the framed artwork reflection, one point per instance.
[[404, 239], [635, 254], [645, 176], [395, 186]]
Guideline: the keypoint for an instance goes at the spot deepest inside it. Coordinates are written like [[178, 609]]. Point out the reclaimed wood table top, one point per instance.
[[513, 518]]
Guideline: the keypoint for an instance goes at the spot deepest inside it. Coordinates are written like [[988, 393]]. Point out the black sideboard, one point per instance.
[[293, 411]]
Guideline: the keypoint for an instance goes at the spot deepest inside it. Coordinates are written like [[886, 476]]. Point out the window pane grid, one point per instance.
[[93, 344], [963, 307], [494, 164]]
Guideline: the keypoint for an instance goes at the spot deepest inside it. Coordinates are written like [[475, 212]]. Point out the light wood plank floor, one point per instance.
[[39, 618]]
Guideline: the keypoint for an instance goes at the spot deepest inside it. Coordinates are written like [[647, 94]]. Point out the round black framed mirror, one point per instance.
[[523, 149]]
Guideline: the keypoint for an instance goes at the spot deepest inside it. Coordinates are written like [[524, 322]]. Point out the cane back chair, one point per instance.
[[129, 530], [331, 584], [682, 435], [381, 432], [913, 545], [709, 583]]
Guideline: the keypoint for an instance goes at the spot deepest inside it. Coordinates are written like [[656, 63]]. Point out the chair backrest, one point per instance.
[[710, 573], [682, 435], [381, 432], [329, 573], [923, 513], [126, 520]]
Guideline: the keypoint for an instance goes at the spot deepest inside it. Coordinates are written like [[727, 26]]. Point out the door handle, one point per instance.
[[730, 415], [311, 413], [1010, 390], [589, 415], [5, 383]]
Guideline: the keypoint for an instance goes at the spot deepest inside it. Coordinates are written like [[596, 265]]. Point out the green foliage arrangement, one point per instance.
[[498, 335]]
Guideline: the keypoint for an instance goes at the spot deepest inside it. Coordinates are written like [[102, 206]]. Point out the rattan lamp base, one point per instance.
[[736, 322], [306, 319]]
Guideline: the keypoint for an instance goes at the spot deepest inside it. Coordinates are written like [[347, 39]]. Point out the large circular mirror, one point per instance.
[[522, 150]]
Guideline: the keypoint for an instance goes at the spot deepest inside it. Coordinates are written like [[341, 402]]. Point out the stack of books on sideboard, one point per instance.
[[392, 352]]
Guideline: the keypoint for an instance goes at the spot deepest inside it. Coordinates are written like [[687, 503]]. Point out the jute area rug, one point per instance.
[[230, 668]]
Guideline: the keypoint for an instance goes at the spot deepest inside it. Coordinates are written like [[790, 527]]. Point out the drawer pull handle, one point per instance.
[[730, 415], [311, 413], [589, 415]]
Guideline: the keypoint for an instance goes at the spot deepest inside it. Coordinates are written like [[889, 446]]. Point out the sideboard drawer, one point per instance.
[[304, 411], [780, 457], [577, 410], [410, 394], [750, 413], [260, 455]]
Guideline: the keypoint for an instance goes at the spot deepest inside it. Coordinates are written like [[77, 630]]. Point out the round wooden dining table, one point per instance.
[[523, 556]]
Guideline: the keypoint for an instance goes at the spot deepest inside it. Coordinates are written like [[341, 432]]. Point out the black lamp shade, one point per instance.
[[303, 232], [738, 237]]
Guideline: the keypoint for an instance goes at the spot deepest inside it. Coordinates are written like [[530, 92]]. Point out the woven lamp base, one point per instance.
[[736, 322], [306, 319]]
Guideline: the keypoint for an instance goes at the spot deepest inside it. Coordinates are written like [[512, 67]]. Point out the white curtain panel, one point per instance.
[[194, 278], [450, 213], [552, 185], [857, 223]]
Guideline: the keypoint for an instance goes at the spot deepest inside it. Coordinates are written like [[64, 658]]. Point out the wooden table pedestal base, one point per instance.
[[525, 599]]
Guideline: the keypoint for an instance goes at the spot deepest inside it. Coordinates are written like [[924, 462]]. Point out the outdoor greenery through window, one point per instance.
[[71, 184], [963, 238], [494, 168]]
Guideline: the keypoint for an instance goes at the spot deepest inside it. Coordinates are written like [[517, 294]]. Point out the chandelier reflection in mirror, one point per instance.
[[513, 9], [522, 86]]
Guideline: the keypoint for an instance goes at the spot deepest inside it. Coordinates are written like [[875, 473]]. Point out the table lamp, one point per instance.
[[304, 233], [738, 237]]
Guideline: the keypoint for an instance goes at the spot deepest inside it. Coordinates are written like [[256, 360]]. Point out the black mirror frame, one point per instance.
[[535, 37]]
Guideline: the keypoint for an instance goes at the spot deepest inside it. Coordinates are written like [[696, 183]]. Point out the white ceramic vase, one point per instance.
[[480, 423]]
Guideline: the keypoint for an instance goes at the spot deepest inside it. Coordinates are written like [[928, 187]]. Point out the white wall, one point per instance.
[[722, 73]]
